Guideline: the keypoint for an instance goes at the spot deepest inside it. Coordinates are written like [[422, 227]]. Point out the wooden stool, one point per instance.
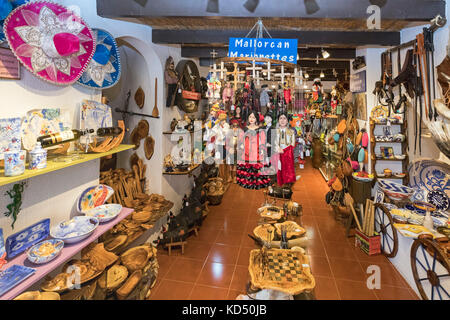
[[195, 229], [175, 244]]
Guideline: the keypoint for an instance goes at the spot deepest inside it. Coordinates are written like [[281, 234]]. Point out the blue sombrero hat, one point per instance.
[[104, 69], [6, 7]]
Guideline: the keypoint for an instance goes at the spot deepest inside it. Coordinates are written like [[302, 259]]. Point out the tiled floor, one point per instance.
[[215, 264]]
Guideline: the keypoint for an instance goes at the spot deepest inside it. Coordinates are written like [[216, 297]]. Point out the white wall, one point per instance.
[[53, 195]]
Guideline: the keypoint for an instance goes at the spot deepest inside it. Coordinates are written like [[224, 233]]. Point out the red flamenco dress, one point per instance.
[[251, 154]]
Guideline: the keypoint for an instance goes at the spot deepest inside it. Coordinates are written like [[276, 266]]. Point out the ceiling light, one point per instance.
[[322, 75], [317, 59], [325, 54], [306, 75], [298, 56], [251, 5], [213, 6]]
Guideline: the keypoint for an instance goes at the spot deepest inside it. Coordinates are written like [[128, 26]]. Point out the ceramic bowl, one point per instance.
[[75, 229], [439, 222], [45, 251], [399, 175], [400, 156], [380, 174], [424, 206], [105, 212], [390, 206], [395, 191]]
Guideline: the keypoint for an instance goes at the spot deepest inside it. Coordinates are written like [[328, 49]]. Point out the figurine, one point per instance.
[[317, 89], [284, 145], [171, 77]]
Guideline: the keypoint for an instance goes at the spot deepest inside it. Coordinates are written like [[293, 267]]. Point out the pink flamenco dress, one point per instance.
[[251, 155]]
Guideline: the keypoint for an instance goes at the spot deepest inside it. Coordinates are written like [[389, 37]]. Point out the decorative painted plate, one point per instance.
[[105, 212], [390, 206], [10, 135], [430, 175], [379, 112], [395, 191], [12, 276], [42, 122], [439, 199], [45, 251], [94, 115], [379, 196], [75, 229], [22, 240], [93, 197]]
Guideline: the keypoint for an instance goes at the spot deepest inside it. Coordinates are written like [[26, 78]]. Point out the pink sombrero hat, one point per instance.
[[50, 41]]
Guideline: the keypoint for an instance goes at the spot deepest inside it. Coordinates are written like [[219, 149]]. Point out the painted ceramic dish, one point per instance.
[[45, 251], [105, 212], [379, 112], [75, 229], [94, 115], [395, 191], [425, 206], [14, 275], [362, 176], [24, 239], [439, 199], [439, 222], [10, 135], [42, 122], [430, 175], [93, 197], [390, 206]]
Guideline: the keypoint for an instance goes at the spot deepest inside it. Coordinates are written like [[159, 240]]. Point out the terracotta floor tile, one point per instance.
[[223, 254], [233, 294], [231, 238], [214, 222], [244, 256], [173, 290], [184, 269], [339, 249], [237, 225], [394, 293], [347, 270], [195, 249], [246, 241], [165, 262], [201, 292], [207, 235], [325, 289], [389, 276], [320, 266], [316, 248], [240, 278], [353, 290], [216, 275]]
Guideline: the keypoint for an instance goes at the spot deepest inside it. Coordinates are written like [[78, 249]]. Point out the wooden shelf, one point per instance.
[[54, 166], [399, 160], [181, 173], [67, 252]]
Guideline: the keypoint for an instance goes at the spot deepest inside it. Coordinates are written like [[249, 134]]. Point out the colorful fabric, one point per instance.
[[287, 172], [249, 176]]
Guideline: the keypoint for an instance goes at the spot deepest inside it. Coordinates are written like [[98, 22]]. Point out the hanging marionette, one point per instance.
[[228, 96], [214, 86], [285, 141], [334, 99], [317, 91]]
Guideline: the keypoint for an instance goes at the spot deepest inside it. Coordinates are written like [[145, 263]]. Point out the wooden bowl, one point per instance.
[[124, 291], [113, 277], [136, 258], [292, 229], [263, 232]]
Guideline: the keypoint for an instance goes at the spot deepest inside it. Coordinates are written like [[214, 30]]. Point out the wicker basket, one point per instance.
[[215, 191]]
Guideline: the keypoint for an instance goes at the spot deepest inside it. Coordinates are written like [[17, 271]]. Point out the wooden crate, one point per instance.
[[370, 245]]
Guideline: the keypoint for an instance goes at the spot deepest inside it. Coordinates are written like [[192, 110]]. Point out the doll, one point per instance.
[[317, 89], [231, 146], [285, 141], [171, 77], [220, 132], [214, 86], [228, 96], [251, 155], [209, 133], [237, 117]]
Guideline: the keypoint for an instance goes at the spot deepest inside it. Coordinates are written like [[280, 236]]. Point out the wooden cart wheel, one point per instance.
[[430, 267], [384, 226]]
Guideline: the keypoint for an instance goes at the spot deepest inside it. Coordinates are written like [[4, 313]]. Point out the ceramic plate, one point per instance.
[[93, 197], [75, 229], [390, 206], [10, 135], [430, 175], [45, 251], [439, 199], [42, 122], [94, 115], [105, 212], [12, 276], [22, 240]]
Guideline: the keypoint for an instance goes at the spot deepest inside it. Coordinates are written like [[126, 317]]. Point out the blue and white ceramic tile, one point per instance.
[[10, 135], [22, 240], [75, 229], [94, 115], [12, 276], [45, 251]]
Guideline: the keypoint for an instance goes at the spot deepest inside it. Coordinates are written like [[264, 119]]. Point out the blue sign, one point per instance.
[[358, 82], [276, 49]]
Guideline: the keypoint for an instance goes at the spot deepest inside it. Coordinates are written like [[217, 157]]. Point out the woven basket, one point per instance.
[[215, 190], [215, 199]]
